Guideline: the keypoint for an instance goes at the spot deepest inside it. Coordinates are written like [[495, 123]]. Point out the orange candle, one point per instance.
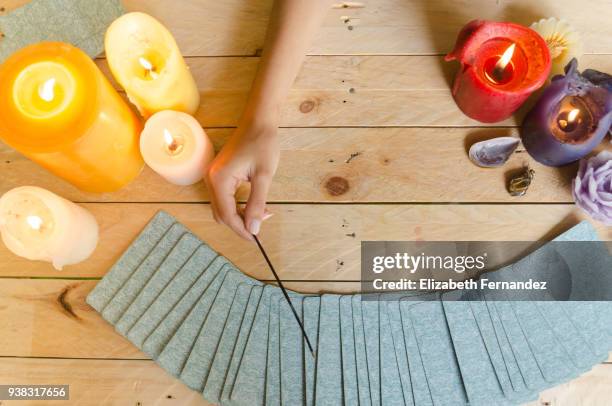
[[59, 110]]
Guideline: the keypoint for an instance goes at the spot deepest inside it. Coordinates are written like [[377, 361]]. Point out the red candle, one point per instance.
[[501, 65]]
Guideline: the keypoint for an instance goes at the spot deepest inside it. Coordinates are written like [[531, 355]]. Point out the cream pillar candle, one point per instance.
[[146, 61], [175, 146], [39, 225]]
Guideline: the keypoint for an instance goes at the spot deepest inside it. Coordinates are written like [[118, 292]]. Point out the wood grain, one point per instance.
[[100, 382], [53, 314], [237, 27], [38, 309], [120, 383], [345, 165], [315, 242], [340, 72], [374, 63], [592, 388], [346, 91], [54, 317]]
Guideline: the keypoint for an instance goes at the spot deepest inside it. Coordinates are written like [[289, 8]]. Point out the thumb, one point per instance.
[[255, 210]]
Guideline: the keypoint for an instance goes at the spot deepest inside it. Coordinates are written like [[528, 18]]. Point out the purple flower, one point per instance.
[[592, 188]]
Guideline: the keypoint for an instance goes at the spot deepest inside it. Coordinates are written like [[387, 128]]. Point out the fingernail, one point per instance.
[[267, 216], [254, 226]]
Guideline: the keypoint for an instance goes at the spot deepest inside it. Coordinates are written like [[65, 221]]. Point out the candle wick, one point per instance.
[[46, 90], [148, 66], [173, 145]]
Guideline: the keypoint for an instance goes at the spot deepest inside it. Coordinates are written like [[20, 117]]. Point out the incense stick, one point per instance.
[[280, 284]]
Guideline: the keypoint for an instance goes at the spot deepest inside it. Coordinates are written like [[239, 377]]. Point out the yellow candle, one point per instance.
[[58, 109], [145, 60]]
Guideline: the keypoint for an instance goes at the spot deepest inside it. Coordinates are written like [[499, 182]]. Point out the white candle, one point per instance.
[[41, 226], [175, 146], [145, 59]]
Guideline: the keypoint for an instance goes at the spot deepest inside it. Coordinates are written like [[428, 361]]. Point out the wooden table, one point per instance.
[[373, 148]]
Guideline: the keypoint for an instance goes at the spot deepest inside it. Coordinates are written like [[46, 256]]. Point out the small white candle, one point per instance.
[[175, 146], [41, 226]]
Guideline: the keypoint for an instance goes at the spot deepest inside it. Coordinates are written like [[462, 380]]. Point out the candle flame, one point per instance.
[[174, 144], [168, 138], [35, 222], [505, 58], [148, 66], [572, 115], [46, 90], [145, 63]]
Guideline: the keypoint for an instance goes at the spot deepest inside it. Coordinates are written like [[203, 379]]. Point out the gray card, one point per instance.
[[130, 260], [213, 382], [292, 353], [371, 328], [171, 294], [183, 252], [328, 386], [249, 386], [273, 384], [175, 353], [160, 255], [198, 364], [505, 323], [395, 320], [311, 309], [420, 387], [477, 370], [363, 378], [391, 390], [572, 340], [231, 346], [553, 360], [437, 353], [349, 362], [498, 348], [157, 340], [587, 317]]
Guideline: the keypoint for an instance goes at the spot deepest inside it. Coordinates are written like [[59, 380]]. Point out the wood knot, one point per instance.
[[337, 186], [307, 106], [63, 301]]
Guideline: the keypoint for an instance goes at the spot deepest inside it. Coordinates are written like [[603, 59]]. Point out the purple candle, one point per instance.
[[571, 117]]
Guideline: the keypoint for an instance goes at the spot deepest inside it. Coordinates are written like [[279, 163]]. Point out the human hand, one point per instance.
[[250, 155]]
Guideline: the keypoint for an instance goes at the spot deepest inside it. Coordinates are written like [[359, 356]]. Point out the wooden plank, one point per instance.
[[236, 27], [315, 242], [34, 311], [346, 91], [414, 93], [387, 165], [95, 382], [592, 388], [341, 72], [49, 318], [367, 27], [100, 382]]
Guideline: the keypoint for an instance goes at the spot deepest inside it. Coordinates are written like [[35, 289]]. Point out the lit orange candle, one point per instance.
[[59, 110]]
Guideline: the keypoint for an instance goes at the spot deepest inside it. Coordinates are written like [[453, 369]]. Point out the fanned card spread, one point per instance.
[[236, 341]]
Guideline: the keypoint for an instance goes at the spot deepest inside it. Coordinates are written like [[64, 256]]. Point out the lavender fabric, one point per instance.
[[592, 187]]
